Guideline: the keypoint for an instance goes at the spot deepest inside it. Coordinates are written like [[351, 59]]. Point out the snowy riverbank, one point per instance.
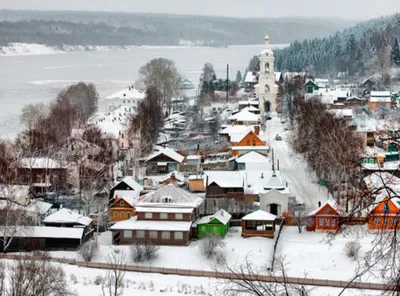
[[22, 49]]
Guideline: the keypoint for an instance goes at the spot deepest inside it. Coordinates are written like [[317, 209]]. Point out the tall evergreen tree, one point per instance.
[[396, 53], [238, 76]]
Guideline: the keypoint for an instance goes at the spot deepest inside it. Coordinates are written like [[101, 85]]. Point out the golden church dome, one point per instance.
[[266, 38]]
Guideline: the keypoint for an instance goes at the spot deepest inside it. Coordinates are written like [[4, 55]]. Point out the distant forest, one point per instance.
[[368, 47], [101, 28]]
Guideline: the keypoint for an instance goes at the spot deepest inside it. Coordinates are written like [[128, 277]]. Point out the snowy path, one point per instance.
[[293, 169]]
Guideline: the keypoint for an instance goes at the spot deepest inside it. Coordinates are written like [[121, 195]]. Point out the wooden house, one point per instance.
[[385, 215], [244, 117], [196, 183], [259, 223], [164, 216], [164, 161], [325, 217], [123, 206], [126, 184], [42, 174], [310, 86], [252, 160], [380, 100], [67, 218], [250, 142], [34, 238], [218, 223]]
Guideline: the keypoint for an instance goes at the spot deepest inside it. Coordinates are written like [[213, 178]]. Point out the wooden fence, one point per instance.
[[217, 274]]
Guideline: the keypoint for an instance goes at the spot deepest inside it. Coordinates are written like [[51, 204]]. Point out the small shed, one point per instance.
[[218, 223], [325, 217], [259, 223]]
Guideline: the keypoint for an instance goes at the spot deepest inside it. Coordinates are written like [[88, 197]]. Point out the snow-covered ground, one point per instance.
[[303, 184], [310, 253]]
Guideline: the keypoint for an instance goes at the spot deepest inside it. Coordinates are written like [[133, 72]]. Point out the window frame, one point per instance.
[[181, 236], [164, 233], [178, 215], [128, 231], [151, 234], [163, 216], [148, 215], [141, 232]]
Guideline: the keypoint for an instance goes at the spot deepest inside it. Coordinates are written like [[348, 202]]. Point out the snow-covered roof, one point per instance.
[[170, 196], [222, 216], [249, 102], [244, 115], [135, 224], [342, 112], [267, 52], [128, 93], [130, 181], [236, 129], [40, 163], [38, 206], [253, 157], [277, 76], [380, 179], [329, 202], [48, 232], [251, 109], [193, 157], [130, 196], [259, 215], [251, 77], [380, 94], [67, 216], [275, 182], [380, 99], [14, 191], [164, 210], [167, 152]]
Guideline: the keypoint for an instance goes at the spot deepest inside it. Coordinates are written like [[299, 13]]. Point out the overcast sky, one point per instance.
[[349, 9]]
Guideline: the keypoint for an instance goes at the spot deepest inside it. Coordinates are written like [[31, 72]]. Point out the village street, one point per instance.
[[303, 185]]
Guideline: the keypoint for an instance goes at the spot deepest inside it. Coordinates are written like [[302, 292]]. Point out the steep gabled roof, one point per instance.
[[332, 209], [275, 182], [128, 180], [222, 216], [128, 196], [170, 196], [253, 157], [244, 115], [167, 152]]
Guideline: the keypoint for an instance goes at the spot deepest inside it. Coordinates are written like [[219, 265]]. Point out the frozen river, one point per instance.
[[39, 78]]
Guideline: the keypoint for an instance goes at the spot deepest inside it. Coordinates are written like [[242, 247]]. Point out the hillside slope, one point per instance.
[[101, 28]]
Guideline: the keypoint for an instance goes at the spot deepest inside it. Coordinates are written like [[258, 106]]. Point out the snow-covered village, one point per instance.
[[272, 173]]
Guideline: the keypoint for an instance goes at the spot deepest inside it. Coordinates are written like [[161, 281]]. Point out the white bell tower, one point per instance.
[[266, 88]]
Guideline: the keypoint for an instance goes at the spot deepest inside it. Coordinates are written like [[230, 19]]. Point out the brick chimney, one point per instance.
[[257, 130]]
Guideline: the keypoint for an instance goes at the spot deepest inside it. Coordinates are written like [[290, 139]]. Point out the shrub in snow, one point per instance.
[[87, 250], [351, 248], [144, 250], [98, 280], [210, 243]]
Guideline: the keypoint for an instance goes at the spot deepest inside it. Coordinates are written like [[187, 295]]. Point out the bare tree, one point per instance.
[[35, 276], [14, 221], [144, 250], [300, 216], [246, 279], [210, 243], [351, 249], [113, 284], [87, 250], [162, 74]]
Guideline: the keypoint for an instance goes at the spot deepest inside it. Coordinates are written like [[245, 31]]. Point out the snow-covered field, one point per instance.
[[310, 253]]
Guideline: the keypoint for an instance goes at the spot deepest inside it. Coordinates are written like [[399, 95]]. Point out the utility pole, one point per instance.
[[98, 223], [227, 82]]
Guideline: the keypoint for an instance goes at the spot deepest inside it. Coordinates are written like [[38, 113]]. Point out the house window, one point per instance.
[[386, 208], [327, 222], [163, 216], [128, 215], [122, 135], [121, 203], [333, 222], [178, 235], [178, 216], [139, 233], [115, 215], [148, 215], [165, 235], [153, 234], [377, 222], [385, 221], [328, 209], [394, 222], [321, 221], [311, 221], [127, 233], [122, 215]]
